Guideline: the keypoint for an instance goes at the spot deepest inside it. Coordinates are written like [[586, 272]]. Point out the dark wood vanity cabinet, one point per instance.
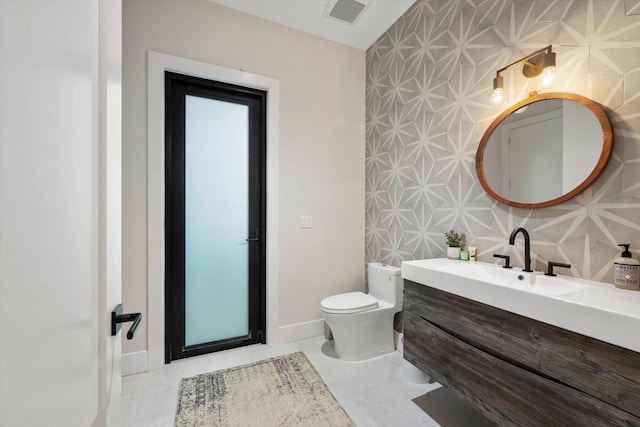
[[518, 371]]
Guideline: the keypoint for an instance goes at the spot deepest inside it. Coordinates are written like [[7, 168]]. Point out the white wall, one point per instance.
[[321, 146]]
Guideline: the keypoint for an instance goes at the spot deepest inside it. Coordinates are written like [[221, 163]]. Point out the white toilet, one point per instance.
[[362, 324]]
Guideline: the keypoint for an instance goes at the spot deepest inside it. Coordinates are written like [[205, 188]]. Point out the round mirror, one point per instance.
[[544, 150]]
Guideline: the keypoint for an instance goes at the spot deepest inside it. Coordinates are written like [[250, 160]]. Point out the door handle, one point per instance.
[[117, 318], [255, 239]]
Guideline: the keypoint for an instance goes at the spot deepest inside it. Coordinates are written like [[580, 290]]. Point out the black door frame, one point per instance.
[[177, 86]]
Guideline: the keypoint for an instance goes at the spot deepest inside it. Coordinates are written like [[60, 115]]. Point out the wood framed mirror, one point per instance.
[[544, 150]]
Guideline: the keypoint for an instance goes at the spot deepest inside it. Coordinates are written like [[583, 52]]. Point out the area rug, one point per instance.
[[282, 391]]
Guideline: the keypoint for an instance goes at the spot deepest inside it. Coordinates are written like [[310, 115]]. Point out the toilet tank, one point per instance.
[[385, 283]]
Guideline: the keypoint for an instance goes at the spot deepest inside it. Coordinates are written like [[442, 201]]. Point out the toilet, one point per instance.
[[362, 324]]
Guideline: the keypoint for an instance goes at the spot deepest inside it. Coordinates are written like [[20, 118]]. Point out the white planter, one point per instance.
[[453, 253]]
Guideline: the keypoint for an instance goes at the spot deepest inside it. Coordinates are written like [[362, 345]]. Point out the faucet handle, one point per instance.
[[555, 264], [506, 258]]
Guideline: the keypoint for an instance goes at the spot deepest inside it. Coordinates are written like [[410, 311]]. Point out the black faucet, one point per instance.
[[504, 257], [555, 264], [527, 247]]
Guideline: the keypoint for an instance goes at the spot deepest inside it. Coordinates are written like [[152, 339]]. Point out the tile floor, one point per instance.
[[373, 393]]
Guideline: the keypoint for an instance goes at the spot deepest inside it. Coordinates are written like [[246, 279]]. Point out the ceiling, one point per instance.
[[312, 16]]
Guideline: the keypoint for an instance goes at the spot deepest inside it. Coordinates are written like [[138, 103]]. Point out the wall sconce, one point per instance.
[[542, 61]]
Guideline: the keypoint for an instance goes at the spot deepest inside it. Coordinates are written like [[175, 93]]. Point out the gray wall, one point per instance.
[[429, 79]]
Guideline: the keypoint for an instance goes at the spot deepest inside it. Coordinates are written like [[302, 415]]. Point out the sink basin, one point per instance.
[[595, 309], [494, 275]]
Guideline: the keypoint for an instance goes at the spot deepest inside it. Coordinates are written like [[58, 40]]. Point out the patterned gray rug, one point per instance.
[[282, 391]]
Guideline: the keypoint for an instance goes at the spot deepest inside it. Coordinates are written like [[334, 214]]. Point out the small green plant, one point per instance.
[[455, 240]]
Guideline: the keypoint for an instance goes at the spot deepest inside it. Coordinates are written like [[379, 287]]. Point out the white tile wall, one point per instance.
[[429, 79]]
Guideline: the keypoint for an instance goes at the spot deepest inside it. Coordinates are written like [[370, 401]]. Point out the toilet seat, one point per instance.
[[348, 303]]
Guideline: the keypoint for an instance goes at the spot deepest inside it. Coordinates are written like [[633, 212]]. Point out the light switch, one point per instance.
[[306, 221]]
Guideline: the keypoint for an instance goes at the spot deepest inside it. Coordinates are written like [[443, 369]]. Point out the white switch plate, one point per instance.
[[306, 221]]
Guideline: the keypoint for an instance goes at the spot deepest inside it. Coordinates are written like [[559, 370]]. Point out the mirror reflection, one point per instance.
[[544, 151]]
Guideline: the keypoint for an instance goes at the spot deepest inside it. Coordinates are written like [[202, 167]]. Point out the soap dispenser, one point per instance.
[[626, 272]]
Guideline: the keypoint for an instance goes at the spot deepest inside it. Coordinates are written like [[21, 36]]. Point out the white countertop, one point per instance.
[[595, 309]]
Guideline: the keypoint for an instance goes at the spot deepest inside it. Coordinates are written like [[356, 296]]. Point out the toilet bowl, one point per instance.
[[362, 324]]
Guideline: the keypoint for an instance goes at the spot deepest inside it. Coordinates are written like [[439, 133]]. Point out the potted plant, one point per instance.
[[455, 242]]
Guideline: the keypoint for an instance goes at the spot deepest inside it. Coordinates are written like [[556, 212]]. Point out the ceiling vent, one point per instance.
[[346, 10]]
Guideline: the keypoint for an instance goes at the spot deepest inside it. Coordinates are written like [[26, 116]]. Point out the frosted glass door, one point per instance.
[[216, 220], [215, 223]]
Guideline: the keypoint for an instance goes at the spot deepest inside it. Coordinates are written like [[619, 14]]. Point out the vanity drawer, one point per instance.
[[502, 391], [605, 371]]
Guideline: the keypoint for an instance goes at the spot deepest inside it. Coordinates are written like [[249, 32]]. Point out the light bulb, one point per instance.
[[497, 98], [547, 78]]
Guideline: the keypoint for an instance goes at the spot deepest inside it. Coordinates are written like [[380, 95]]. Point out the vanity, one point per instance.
[[525, 349]]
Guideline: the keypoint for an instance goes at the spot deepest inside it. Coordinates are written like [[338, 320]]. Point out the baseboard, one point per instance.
[[295, 332], [134, 363], [137, 362]]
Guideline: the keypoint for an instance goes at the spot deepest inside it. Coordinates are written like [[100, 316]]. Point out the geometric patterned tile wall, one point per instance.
[[429, 79]]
